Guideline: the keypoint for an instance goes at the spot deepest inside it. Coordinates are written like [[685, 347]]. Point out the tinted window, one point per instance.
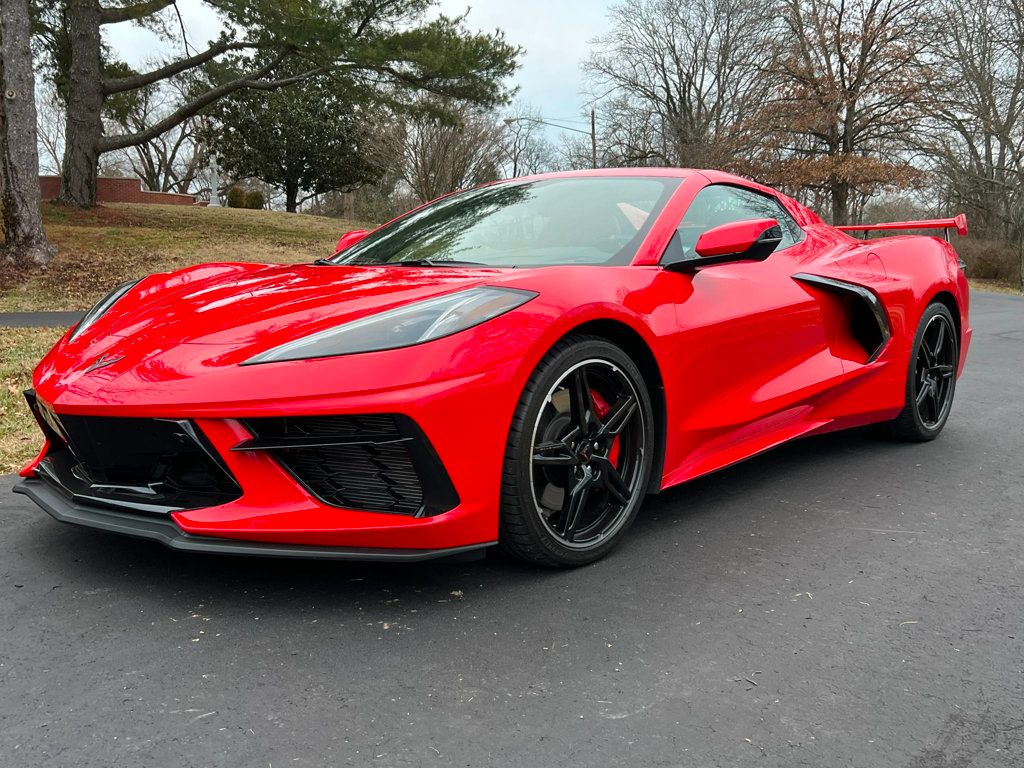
[[722, 204], [595, 220]]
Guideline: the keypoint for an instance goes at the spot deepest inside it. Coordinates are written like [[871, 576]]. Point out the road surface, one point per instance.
[[843, 601]]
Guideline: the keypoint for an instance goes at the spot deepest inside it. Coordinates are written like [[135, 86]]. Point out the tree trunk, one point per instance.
[[291, 196], [26, 243], [85, 101], [840, 202], [1019, 243]]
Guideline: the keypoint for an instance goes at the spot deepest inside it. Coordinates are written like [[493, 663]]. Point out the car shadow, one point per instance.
[[90, 559]]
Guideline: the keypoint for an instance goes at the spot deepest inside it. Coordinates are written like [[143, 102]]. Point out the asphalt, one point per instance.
[[843, 601], [39, 319]]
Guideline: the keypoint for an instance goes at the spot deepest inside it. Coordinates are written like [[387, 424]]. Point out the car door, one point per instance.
[[752, 352]]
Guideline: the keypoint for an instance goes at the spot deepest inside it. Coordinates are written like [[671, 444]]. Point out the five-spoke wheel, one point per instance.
[[935, 367], [588, 448], [579, 455], [931, 379]]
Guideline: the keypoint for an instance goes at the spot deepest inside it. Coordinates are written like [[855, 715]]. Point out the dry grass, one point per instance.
[[993, 286], [20, 350], [99, 248]]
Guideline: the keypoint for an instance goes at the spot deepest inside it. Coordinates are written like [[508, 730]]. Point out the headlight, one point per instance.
[[102, 306], [402, 327]]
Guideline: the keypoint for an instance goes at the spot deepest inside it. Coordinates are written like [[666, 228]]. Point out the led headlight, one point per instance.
[[102, 306], [403, 327]]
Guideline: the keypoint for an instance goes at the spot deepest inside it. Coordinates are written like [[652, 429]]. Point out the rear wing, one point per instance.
[[958, 222]]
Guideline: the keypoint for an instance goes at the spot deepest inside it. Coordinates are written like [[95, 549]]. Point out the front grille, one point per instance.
[[145, 465], [372, 462]]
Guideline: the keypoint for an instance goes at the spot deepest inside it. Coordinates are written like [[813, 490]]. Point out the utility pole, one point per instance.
[[593, 139], [592, 132]]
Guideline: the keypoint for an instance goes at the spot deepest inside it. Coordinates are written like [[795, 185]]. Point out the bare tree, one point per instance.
[[26, 245], [436, 155], [680, 81], [51, 119], [975, 143], [851, 88], [170, 161], [524, 149]]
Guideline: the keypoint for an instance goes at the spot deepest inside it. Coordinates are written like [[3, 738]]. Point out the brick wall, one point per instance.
[[119, 190], [49, 187]]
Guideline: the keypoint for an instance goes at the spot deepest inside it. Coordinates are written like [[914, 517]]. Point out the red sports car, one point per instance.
[[517, 364]]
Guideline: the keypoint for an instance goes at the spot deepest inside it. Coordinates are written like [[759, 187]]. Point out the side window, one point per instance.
[[722, 204]]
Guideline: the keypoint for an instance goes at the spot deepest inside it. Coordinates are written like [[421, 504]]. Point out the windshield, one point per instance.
[[594, 220]]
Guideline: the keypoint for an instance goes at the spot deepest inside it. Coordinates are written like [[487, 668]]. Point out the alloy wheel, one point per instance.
[[935, 367], [588, 453]]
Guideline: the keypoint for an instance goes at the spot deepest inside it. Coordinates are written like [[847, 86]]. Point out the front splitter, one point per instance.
[[166, 532]]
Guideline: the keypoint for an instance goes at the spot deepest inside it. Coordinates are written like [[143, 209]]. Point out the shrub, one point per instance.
[[236, 197], [254, 199], [990, 259]]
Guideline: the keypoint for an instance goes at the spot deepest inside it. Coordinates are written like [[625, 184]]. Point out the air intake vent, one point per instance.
[[869, 324], [371, 462], [152, 466]]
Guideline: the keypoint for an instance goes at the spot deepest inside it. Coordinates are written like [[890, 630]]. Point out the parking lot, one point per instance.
[[843, 601]]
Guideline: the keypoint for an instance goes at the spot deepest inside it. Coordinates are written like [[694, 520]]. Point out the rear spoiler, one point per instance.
[[958, 222]]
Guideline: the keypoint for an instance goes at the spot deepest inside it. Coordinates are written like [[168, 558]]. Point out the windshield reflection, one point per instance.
[[593, 220]]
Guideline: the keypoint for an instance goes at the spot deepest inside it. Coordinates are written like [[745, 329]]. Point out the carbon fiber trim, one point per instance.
[[166, 532]]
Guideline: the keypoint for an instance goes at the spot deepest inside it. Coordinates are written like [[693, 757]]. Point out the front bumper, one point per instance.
[[274, 507], [166, 532], [460, 392]]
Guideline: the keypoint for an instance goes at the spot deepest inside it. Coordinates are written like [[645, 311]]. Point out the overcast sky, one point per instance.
[[554, 34]]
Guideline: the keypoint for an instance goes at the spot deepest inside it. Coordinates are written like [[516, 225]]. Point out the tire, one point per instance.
[[926, 412], [567, 501]]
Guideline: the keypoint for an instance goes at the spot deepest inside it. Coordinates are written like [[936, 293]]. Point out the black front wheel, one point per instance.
[[931, 378], [579, 455]]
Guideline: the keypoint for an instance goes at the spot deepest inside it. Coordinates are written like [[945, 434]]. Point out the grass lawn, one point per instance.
[[20, 350], [105, 246], [100, 248]]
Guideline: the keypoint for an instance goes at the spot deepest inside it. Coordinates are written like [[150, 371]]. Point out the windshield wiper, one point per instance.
[[436, 263], [407, 263]]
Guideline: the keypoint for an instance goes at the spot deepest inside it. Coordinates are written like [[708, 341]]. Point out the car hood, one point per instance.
[[257, 307], [176, 342], [210, 318]]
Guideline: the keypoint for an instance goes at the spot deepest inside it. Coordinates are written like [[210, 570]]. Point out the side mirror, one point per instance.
[[748, 240], [350, 238]]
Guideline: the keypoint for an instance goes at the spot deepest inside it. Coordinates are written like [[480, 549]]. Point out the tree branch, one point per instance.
[[133, 12], [113, 85], [187, 110]]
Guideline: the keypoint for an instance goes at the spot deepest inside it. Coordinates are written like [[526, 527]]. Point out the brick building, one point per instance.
[[120, 190]]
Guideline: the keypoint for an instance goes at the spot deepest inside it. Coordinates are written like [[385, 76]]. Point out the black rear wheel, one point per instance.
[[579, 455], [931, 378]]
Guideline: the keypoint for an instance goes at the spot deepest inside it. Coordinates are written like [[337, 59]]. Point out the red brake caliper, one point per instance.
[[602, 408]]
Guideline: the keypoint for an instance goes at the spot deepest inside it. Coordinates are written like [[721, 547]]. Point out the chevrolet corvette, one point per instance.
[[518, 364]]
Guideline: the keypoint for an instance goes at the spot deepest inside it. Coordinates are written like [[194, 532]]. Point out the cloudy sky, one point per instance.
[[554, 34]]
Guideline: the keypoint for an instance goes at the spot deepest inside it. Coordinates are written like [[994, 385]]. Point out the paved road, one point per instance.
[[839, 602], [39, 319]]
